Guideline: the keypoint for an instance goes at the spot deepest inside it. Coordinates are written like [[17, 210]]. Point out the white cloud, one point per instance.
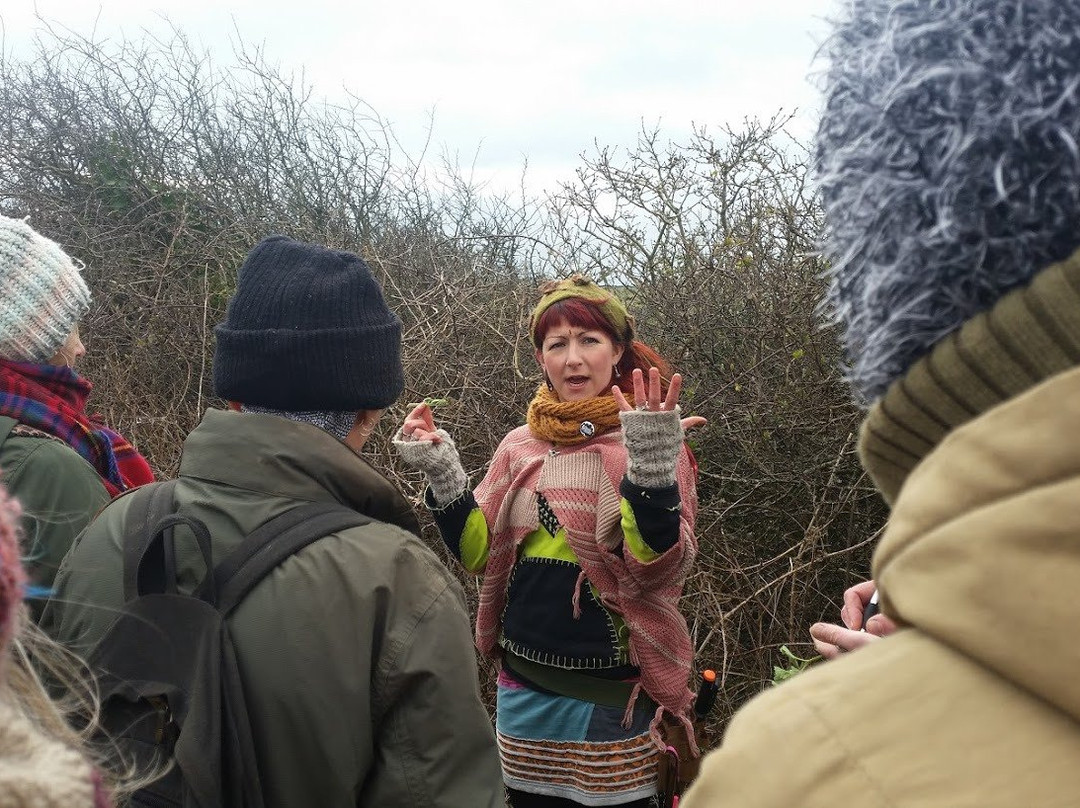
[[512, 79]]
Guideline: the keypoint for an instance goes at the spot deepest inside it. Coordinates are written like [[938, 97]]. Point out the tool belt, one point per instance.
[[678, 766]]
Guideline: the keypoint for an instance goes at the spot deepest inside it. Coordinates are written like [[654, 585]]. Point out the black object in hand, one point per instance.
[[870, 609]]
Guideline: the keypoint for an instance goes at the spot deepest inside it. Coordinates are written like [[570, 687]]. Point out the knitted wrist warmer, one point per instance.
[[653, 440], [439, 462]]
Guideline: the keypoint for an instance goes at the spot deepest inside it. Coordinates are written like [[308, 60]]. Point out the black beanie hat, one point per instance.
[[308, 329]]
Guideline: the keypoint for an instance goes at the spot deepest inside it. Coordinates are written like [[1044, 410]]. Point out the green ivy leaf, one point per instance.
[[797, 665]]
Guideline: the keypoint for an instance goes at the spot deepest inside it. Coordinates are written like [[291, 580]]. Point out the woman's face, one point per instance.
[[71, 351], [578, 361]]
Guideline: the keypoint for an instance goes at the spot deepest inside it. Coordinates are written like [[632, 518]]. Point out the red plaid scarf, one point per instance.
[[53, 399]]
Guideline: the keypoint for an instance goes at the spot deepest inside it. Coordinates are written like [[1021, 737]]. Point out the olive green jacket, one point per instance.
[[58, 490], [356, 653], [975, 701]]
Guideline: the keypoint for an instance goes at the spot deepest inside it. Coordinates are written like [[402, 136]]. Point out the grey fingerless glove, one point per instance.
[[653, 440], [439, 462]]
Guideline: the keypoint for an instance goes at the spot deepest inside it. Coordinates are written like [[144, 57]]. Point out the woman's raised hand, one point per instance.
[[650, 401], [420, 424], [433, 452]]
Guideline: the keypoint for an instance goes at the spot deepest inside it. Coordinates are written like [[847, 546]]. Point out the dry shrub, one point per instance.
[[712, 242], [160, 169]]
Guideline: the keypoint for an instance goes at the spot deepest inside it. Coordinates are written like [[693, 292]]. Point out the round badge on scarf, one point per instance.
[[587, 428]]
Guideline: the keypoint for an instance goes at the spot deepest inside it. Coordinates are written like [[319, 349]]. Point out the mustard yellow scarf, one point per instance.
[[566, 423]]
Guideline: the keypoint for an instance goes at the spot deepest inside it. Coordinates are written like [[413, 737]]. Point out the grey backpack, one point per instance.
[[167, 670]]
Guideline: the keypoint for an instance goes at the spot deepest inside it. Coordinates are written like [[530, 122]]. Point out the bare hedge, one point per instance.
[[159, 169]]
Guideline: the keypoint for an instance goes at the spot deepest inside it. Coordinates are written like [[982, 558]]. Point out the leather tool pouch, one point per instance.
[[677, 772]]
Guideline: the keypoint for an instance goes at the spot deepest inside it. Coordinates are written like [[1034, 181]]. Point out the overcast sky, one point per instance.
[[505, 81]]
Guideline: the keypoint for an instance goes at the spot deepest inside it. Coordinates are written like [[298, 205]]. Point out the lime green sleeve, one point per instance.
[[464, 530], [632, 535]]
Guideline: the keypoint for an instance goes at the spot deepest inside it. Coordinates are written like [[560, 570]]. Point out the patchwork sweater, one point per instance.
[[581, 568]]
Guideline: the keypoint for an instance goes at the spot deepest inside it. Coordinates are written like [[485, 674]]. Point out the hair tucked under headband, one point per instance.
[[578, 286]]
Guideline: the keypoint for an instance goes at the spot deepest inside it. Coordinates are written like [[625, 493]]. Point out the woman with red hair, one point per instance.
[[583, 530]]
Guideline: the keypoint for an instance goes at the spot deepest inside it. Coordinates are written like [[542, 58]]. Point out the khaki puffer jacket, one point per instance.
[[975, 701]]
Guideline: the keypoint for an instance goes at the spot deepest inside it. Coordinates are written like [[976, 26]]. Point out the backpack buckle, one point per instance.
[[167, 731]]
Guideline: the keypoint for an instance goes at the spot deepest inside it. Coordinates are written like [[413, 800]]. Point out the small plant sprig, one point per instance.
[[796, 664], [430, 401]]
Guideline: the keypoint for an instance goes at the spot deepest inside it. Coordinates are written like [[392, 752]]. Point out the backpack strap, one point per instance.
[[152, 503], [273, 542], [156, 573]]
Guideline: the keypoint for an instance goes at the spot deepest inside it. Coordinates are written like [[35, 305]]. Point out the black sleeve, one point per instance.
[[656, 511], [451, 518]]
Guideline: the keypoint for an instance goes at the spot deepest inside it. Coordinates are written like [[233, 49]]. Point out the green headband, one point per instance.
[[622, 323]]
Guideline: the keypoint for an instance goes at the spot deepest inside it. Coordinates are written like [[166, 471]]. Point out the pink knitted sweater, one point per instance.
[[581, 484]]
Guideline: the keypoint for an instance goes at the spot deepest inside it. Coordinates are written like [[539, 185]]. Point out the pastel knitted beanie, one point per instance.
[[948, 166], [42, 294], [308, 330], [581, 287]]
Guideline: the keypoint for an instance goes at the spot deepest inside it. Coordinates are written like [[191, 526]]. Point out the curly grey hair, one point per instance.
[[947, 164]]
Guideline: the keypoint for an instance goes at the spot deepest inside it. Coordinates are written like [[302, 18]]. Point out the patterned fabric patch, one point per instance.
[[547, 516], [590, 773]]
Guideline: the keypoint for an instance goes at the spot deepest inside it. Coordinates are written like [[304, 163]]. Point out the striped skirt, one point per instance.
[[563, 747]]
